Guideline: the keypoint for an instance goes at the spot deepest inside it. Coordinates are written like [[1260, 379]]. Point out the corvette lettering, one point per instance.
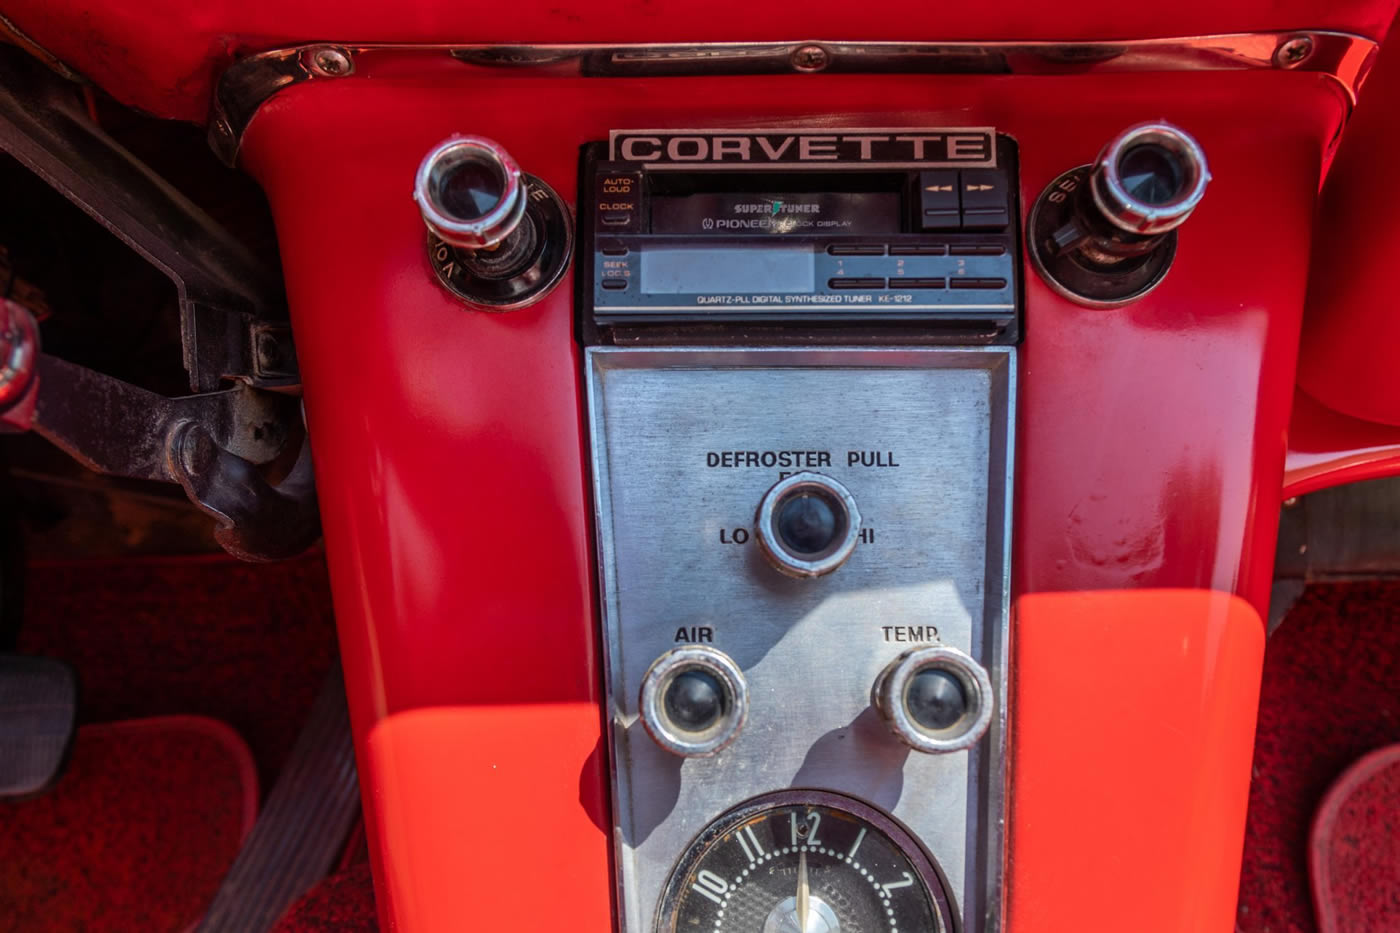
[[971, 147]]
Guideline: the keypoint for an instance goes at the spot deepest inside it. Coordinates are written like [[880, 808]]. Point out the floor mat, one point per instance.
[[247, 644], [343, 903], [1355, 851], [1331, 694], [136, 835]]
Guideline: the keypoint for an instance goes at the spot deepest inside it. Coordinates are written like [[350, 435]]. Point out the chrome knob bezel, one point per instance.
[[475, 232], [794, 565], [892, 685], [652, 703], [1131, 214]]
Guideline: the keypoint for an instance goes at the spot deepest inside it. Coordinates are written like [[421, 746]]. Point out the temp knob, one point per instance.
[[1149, 179], [935, 699], [807, 525], [471, 192], [694, 701]]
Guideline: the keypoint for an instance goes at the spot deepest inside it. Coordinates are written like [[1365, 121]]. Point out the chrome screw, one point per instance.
[[1294, 52], [331, 62], [810, 58]]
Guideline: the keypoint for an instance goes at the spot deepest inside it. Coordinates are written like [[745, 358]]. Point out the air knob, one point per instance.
[[935, 699], [1149, 179], [694, 701], [470, 192]]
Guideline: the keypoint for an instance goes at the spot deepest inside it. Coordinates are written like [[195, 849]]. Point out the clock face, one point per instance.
[[805, 863]]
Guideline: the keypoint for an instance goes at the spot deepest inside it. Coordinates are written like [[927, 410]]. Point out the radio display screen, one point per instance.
[[691, 271]]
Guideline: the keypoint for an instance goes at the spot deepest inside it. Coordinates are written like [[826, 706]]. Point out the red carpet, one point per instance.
[[135, 836], [343, 903], [247, 644], [1331, 694], [1355, 853]]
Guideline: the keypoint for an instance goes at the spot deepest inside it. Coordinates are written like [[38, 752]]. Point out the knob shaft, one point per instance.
[[935, 699], [470, 192]]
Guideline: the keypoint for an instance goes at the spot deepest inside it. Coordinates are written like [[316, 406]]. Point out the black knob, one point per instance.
[[695, 700], [935, 699], [808, 523]]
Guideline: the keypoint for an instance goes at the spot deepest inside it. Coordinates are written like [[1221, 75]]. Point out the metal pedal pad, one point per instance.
[[38, 718]]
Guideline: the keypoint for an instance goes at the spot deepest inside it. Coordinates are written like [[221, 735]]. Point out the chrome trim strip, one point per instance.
[[246, 85]]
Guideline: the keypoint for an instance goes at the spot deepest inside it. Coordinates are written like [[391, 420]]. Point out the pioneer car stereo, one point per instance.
[[862, 226]]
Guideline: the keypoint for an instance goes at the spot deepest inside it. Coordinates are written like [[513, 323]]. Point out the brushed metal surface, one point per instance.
[[810, 648]]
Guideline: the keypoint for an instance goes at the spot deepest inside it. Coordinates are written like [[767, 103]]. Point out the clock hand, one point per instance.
[[803, 893]]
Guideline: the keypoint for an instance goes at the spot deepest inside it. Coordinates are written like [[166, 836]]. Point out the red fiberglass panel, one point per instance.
[[1132, 737], [449, 446]]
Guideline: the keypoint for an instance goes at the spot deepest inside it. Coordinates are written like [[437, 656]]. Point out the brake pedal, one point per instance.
[[38, 719]]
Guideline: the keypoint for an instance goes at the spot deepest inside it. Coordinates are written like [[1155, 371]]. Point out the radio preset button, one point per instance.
[[856, 281], [989, 284], [614, 285], [919, 249], [985, 199], [918, 282], [979, 249], [856, 250]]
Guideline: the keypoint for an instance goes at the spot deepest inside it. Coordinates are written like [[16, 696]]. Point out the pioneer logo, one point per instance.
[[970, 147]]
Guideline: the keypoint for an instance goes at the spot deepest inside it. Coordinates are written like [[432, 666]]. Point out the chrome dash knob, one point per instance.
[[1104, 235], [1149, 178], [807, 525], [471, 192], [935, 699], [694, 701]]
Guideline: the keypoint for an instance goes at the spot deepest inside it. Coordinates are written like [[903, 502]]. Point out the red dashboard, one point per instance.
[[452, 446]]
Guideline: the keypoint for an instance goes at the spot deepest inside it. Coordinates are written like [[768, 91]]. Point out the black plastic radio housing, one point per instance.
[[836, 253]]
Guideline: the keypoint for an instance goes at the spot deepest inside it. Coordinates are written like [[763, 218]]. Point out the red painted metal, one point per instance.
[[448, 443], [1327, 448], [1353, 321], [1133, 736], [162, 55], [484, 781]]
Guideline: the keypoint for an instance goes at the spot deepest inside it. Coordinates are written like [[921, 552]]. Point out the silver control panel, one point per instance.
[[729, 486]]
